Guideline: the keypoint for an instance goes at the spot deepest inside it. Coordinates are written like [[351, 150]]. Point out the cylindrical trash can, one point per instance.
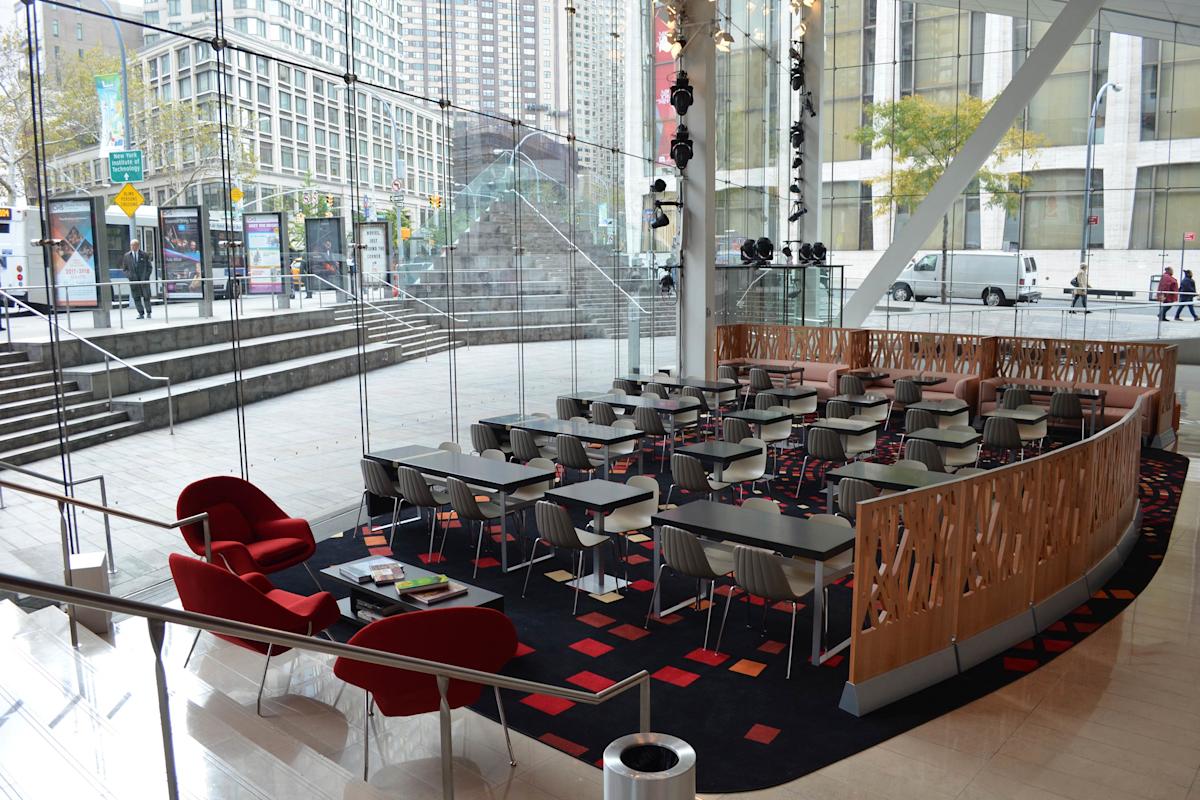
[[649, 766]]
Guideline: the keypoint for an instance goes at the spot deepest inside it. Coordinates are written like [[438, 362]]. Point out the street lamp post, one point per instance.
[[1087, 172], [124, 94]]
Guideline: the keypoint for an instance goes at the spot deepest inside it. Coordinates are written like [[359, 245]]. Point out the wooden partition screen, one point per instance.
[[935, 352], [792, 343], [941, 564]]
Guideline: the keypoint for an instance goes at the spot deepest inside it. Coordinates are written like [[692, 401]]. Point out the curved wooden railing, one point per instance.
[[938, 565]]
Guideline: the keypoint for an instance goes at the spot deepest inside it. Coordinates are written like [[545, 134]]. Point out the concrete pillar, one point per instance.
[[698, 275]]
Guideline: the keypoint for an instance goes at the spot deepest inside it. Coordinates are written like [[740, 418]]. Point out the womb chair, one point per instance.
[[556, 529], [685, 555], [208, 589], [476, 638], [249, 532]]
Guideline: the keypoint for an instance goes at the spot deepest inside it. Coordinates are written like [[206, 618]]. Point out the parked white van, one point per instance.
[[998, 279]]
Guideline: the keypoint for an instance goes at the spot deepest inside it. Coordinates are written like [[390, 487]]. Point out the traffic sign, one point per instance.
[[129, 199], [397, 198], [1093, 220], [125, 166], [405, 234], [236, 194], [1190, 236], [395, 184]]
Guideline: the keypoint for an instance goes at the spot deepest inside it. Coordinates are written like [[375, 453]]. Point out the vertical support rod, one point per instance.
[[443, 684], [64, 536], [112, 564], [644, 706], [157, 634]]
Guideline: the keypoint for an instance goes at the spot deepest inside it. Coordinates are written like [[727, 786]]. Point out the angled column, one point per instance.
[[1071, 22], [698, 277]]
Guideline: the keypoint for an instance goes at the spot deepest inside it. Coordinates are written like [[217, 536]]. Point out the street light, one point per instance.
[[124, 94], [1087, 172]]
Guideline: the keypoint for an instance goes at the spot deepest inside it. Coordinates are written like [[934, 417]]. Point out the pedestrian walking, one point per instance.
[[1168, 292], [138, 270], [1079, 293], [1187, 294]]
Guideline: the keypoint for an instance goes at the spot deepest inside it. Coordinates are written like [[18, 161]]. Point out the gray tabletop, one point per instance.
[[1024, 417], [887, 476], [662, 406], [500, 475], [760, 417], [584, 431], [847, 425], [941, 407], [865, 400], [724, 453], [946, 437], [791, 536], [597, 495]]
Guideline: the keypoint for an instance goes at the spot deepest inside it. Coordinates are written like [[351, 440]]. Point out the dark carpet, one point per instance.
[[750, 727]]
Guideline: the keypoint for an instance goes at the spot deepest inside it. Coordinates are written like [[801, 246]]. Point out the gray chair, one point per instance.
[[567, 407], [1033, 432], [684, 554], [851, 384], [688, 474], [838, 409], [727, 373], [468, 509], [926, 452], [906, 392], [424, 497], [655, 389], [1067, 407], [573, 455], [1001, 433], [910, 463], [627, 386], [763, 504], [734, 429], [851, 492], [765, 400], [689, 420], [822, 445], [916, 419], [603, 414], [704, 411], [774, 579], [526, 448], [483, 437], [725, 397], [376, 481], [760, 381], [556, 529], [650, 423], [1014, 398]]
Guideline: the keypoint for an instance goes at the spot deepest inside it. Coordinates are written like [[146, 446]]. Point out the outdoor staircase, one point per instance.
[[84, 723], [276, 354]]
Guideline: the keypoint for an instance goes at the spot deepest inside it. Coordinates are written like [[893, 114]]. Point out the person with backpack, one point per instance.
[[1187, 293], [1079, 293]]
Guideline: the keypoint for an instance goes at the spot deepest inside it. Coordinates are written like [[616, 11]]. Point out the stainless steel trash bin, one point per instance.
[[649, 766]]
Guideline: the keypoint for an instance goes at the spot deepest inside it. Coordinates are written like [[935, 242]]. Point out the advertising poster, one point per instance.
[[182, 251], [112, 125], [376, 252], [263, 237], [73, 259], [326, 251]]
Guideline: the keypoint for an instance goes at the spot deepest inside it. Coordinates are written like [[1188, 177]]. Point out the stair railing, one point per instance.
[[369, 304], [67, 486], [108, 359], [157, 616]]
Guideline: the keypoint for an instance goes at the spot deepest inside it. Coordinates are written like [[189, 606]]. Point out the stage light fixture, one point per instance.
[[660, 220], [797, 213], [764, 249], [797, 135], [787, 251], [682, 94], [681, 147], [806, 251], [819, 252], [749, 252], [723, 40], [796, 187], [798, 161], [659, 185]]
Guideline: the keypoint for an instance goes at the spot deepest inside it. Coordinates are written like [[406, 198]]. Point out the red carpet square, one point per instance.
[[1020, 664], [772, 647], [1121, 594], [487, 562], [748, 667], [590, 681], [380, 551], [630, 632], [590, 647], [1025, 645], [710, 657], [566, 745], [374, 541], [1056, 645], [833, 661], [1057, 627], [642, 585], [523, 650], [1085, 627], [636, 559], [596, 619], [763, 734], [547, 704], [676, 676], [431, 558]]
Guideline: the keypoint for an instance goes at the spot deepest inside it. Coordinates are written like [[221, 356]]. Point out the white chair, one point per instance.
[[747, 470], [535, 491], [688, 474], [555, 527], [623, 449], [774, 579], [955, 458], [960, 417], [1033, 432], [910, 463], [493, 455], [778, 434], [858, 444], [450, 447], [762, 504], [634, 517], [880, 413]]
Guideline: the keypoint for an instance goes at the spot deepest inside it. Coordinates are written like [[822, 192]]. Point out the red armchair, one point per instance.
[[249, 532], [476, 638], [209, 589]]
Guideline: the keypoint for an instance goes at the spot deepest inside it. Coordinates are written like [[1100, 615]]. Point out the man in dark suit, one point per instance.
[[138, 270]]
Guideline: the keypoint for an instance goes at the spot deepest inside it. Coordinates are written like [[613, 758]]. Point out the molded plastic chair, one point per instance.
[[838, 409], [765, 400], [556, 529], [734, 429], [653, 389], [525, 446], [628, 387], [635, 517], [690, 420], [1067, 406], [858, 444], [468, 509], [493, 455], [684, 554], [483, 437], [774, 579], [747, 470], [851, 384], [822, 445], [450, 447], [1014, 398], [760, 381], [377, 482], [725, 397], [650, 423], [956, 458], [688, 474], [603, 414], [476, 638], [851, 492], [910, 463], [420, 494], [907, 392], [1000, 433], [209, 589], [703, 413], [777, 434], [926, 452], [1035, 432], [916, 419], [249, 532], [573, 455], [763, 504], [961, 417], [629, 448], [567, 407]]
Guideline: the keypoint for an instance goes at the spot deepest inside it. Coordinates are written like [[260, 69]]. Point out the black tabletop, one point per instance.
[[507, 421], [677, 382], [790, 392], [387, 593], [848, 425], [724, 453], [587, 397], [598, 495], [867, 400], [945, 437], [1024, 417], [887, 476], [868, 374], [500, 475], [943, 407], [1046, 391], [394, 455], [760, 417], [788, 535], [584, 431], [924, 380], [663, 406], [775, 369]]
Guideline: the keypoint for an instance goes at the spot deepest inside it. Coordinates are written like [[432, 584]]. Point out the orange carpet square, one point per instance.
[[748, 667]]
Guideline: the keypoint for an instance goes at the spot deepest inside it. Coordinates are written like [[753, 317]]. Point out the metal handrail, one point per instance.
[[70, 484], [157, 616], [411, 296], [108, 358]]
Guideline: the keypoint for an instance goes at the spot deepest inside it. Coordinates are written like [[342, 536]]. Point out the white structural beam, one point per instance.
[[1071, 22], [698, 276]]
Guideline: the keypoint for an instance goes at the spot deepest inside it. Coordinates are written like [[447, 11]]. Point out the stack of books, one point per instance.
[[379, 570], [430, 590]]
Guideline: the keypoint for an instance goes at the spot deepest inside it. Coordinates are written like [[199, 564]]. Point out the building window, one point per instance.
[[1062, 107], [1166, 205], [848, 213], [1052, 210], [79, 31], [1169, 114]]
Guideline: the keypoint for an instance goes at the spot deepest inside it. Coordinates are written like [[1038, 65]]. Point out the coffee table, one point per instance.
[[387, 595]]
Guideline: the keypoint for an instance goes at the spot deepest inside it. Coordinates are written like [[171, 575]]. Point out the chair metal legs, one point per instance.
[[358, 519], [367, 737], [262, 683], [512, 759], [192, 649], [654, 594], [712, 596], [792, 638], [396, 503], [578, 577], [313, 575], [800, 480], [478, 550], [529, 569], [724, 616]]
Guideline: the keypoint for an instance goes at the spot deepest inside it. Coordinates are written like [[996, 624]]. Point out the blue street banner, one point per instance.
[[112, 125]]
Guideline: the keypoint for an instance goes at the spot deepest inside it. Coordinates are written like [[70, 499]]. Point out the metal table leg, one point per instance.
[[818, 621]]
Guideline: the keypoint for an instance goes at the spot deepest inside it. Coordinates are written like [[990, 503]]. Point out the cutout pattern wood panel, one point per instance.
[[952, 560], [792, 343], [936, 352]]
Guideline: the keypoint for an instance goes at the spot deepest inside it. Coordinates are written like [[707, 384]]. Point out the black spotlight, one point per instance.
[[796, 214], [787, 251], [666, 284], [808, 104], [798, 161], [796, 187], [749, 251], [681, 93], [764, 248], [794, 54], [660, 220], [681, 147], [797, 135], [819, 252], [797, 75], [806, 252], [659, 185]]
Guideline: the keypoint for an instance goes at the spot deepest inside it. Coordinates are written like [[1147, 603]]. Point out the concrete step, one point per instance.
[[45, 402], [49, 416], [13, 381], [29, 436], [22, 367], [33, 391], [52, 448], [11, 356]]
